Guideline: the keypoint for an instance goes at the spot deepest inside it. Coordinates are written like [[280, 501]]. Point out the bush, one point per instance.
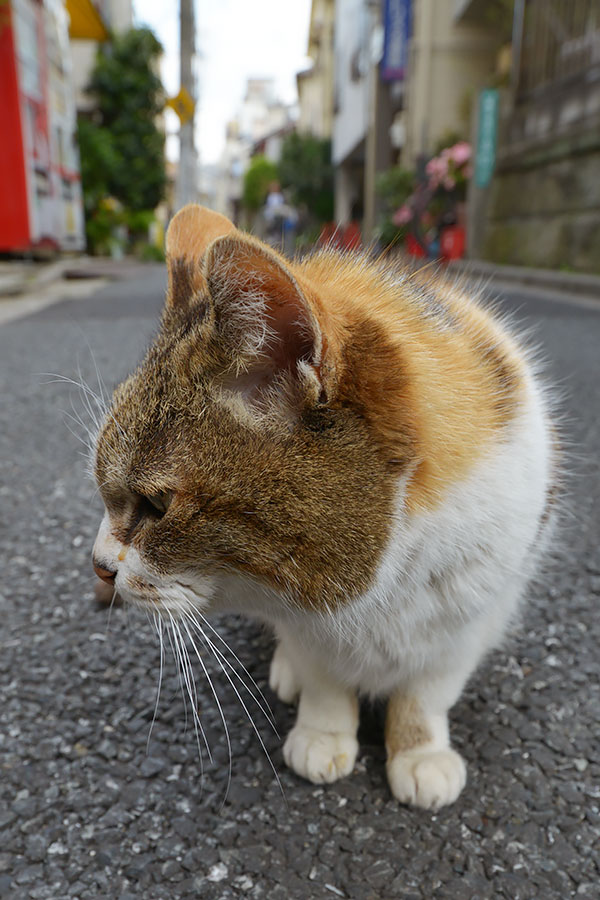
[[306, 170], [121, 149], [259, 175], [394, 187]]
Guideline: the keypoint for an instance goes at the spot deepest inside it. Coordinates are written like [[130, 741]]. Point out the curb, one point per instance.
[[24, 278], [576, 284]]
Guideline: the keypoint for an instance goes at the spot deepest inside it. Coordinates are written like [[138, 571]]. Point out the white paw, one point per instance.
[[281, 677], [318, 755], [427, 778]]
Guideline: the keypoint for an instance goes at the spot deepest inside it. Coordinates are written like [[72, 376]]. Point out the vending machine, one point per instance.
[[40, 185]]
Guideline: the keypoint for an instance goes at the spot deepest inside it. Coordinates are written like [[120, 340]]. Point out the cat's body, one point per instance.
[[358, 456]]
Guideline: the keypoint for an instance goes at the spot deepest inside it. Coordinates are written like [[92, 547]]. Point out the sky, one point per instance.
[[236, 39]]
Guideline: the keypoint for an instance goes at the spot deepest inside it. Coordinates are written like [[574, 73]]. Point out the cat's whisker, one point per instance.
[[210, 645], [78, 437], [86, 427], [219, 707], [179, 676], [271, 716], [110, 609], [96, 412], [159, 630], [99, 379], [192, 681], [217, 653], [98, 488], [189, 680], [87, 395], [89, 438]]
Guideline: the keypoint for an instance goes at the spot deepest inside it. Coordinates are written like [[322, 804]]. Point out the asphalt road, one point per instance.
[[92, 807]]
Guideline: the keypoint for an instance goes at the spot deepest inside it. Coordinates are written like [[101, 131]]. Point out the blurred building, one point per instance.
[[260, 125], [543, 204], [452, 55], [114, 15], [40, 187], [315, 85], [406, 75]]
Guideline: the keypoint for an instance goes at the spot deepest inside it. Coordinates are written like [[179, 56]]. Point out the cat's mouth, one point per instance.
[[172, 600], [148, 593]]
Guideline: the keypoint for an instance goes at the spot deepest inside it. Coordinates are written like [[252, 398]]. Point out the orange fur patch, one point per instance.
[[405, 725], [431, 371]]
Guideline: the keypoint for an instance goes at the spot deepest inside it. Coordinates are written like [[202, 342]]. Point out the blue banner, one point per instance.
[[397, 25]]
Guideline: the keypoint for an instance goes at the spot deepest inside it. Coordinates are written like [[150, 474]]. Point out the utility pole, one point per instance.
[[373, 125], [188, 161]]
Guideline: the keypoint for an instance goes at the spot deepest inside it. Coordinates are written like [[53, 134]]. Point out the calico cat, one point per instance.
[[359, 456]]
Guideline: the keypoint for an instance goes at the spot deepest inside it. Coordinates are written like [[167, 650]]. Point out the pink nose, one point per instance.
[[104, 574]]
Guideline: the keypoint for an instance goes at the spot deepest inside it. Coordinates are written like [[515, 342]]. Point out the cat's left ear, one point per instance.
[[189, 234], [264, 316]]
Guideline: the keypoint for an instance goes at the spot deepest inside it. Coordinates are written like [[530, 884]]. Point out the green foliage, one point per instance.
[[139, 221], [497, 15], [447, 139], [99, 159], [151, 253], [104, 227], [121, 149], [129, 96], [394, 186], [257, 178], [305, 168]]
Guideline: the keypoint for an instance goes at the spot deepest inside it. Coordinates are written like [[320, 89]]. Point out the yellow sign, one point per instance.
[[183, 105], [85, 21]]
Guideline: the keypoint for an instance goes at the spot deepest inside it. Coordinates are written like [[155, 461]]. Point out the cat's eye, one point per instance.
[[155, 504]]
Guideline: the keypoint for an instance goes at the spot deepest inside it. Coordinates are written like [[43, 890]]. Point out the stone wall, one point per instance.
[[544, 203]]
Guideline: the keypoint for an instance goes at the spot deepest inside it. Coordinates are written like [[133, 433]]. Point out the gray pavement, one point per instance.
[[92, 807]]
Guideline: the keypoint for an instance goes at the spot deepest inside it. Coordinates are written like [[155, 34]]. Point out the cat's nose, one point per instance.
[[105, 574]]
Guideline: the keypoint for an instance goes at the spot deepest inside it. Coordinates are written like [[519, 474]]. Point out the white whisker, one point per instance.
[[188, 676], [158, 625], [221, 657], [219, 707], [179, 676], [110, 609], [245, 708], [268, 713]]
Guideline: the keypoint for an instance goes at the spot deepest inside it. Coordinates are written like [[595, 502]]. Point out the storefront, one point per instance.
[[40, 186]]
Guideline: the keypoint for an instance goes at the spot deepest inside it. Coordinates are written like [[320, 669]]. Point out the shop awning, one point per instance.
[[85, 21]]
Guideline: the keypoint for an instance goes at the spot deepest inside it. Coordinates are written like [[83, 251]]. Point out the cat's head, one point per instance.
[[241, 446]]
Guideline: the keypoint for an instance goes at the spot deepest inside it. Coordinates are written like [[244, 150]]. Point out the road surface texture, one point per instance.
[[92, 807]]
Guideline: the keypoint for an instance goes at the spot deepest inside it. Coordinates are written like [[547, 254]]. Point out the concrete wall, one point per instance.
[[449, 61], [544, 207]]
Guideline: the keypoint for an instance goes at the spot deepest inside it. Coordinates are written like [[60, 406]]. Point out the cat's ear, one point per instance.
[[189, 233], [264, 316]]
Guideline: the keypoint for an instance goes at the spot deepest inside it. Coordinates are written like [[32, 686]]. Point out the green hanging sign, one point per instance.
[[487, 133]]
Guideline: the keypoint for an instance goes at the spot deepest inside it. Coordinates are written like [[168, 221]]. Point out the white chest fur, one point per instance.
[[450, 580]]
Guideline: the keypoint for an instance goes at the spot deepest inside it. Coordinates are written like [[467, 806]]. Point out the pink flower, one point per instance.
[[403, 215], [449, 183], [460, 153]]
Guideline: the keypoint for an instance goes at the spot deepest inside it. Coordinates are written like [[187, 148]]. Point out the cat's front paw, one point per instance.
[[318, 755], [281, 677], [427, 778]]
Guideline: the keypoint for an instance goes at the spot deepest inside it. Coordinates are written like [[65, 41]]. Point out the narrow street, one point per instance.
[[96, 803]]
